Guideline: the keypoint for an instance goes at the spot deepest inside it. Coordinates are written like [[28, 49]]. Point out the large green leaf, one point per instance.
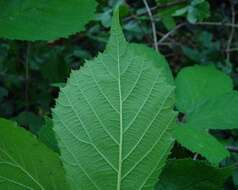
[[113, 119], [197, 83], [200, 141], [216, 113], [26, 164], [44, 20], [187, 174]]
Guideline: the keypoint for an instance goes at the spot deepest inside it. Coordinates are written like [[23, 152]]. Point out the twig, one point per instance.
[[152, 25], [170, 33], [173, 31], [217, 24], [158, 7], [232, 49], [232, 149], [27, 75], [195, 157], [233, 21]]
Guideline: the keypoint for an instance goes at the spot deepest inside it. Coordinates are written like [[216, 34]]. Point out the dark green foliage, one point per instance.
[[198, 39], [186, 174], [47, 135]]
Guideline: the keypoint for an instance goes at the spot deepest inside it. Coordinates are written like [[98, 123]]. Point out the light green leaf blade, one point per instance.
[[186, 174], [216, 113], [197, 83], [200, 141], [157, 58], [44, 20], [113, 120], [27, 164]]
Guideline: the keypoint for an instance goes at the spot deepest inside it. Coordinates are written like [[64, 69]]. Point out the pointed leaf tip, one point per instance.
[[116, 29]]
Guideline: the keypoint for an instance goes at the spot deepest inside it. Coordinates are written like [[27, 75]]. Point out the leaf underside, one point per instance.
[[113, 119], [44, 20], [26, 164]]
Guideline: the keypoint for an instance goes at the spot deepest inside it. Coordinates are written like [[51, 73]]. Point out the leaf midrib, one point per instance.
[[121, 124]]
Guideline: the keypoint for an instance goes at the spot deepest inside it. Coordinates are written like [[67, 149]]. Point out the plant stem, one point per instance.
[[152, 24]]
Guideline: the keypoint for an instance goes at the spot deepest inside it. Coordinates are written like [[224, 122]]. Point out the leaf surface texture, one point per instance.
[[44, 20], [113, 119], [26, 164]]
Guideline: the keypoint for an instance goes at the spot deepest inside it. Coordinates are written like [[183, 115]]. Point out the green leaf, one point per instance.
[[30, 120], [187, 174], [198, 11], [196, 84], [47, 135], [166, 14], [216, 113], [169, 22], [25, 163], [200, 141], [156, 58], [114, 119], [41, 20]]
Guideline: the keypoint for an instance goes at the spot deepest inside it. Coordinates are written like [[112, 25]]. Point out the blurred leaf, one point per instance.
[[56, 70], [3, 93], [31, 120], [166, 14], [196, 11], [186, 174]]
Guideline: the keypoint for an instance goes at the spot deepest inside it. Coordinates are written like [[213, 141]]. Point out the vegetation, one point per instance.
[[118, 95]]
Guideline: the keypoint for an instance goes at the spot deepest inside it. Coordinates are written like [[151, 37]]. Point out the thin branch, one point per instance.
[[195, 157], [158, 7], [232, 149], [170, 33], [217, 24], [152, 25], [232, 49], [27, 75], [233, 21], [174, 30]]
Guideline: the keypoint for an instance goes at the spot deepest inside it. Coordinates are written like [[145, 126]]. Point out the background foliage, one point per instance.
[[187, 33]]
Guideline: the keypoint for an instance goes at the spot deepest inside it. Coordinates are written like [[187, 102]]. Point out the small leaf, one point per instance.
[[25, 163], [200, 141], [196, 84], [41, 20], [187, 174], [114, 117]]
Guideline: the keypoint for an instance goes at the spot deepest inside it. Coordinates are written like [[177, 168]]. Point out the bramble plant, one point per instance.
[[119, 116]]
